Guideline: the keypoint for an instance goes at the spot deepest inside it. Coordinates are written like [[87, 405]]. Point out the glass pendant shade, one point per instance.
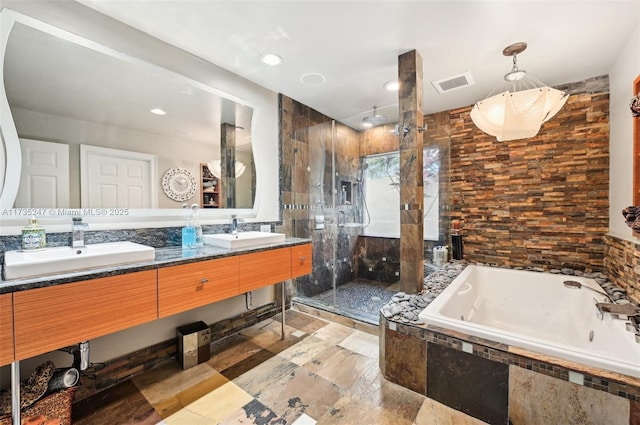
[[215, 167], [521, 106], [517, 115]]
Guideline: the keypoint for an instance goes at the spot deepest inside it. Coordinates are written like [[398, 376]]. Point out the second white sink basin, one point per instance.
[[242, 239], [60, 259]]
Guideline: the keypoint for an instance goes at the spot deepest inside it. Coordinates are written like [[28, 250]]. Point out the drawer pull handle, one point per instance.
[[302, 259], [204, 280]]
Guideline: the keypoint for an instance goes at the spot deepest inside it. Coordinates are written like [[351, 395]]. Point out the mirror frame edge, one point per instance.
[[636, 150]]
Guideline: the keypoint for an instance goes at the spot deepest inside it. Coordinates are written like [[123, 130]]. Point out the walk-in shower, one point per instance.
[[327, 181], [345, 198]]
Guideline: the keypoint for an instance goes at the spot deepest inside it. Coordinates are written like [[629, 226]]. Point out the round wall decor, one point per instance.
[[179, 184]]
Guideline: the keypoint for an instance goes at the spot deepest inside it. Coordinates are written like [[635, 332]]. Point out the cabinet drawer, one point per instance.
[[49, 318], [188, 286], [301, 263], [264, 268], [6, 329]]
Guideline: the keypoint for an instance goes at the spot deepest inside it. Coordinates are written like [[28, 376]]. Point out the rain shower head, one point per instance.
[[374, 120], [364, 166]]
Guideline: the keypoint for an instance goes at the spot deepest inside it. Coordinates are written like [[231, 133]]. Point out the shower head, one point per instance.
[[364, 166], [374, 120], [572, 284]]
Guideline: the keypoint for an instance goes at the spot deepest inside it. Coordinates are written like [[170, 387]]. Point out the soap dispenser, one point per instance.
[[189, 232], [33, 236]]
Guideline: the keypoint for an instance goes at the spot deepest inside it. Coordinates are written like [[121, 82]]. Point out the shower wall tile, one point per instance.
[[378, 259], [379, 139]]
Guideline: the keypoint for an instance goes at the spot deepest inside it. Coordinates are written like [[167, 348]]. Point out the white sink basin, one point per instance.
[[22, 264], [242, 239]]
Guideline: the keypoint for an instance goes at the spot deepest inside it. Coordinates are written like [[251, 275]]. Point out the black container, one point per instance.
[[456, 245]]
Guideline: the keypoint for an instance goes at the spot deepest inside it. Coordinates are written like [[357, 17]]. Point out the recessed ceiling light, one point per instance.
[[392, 85], [271, 59], [313, 79], [158, 111]]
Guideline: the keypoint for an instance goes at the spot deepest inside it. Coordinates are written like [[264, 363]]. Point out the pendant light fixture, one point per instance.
[[521, 106], [215, 167], [373, 120]]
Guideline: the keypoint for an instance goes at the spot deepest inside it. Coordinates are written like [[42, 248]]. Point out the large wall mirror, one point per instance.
[[86, 126]]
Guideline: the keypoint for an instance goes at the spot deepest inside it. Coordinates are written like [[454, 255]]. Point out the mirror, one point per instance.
[[71, 93]]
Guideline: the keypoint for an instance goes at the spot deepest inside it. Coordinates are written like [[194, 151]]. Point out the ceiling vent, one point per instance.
[[453, 83]]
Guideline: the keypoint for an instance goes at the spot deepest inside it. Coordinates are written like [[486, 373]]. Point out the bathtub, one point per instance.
[[535, 311]]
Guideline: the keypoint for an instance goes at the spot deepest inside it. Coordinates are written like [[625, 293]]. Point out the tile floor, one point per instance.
[[321, 373]]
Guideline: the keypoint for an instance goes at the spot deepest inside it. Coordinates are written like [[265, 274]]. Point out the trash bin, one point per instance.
[[193, 344]]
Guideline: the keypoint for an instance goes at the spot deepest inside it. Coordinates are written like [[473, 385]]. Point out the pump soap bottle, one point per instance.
[[33, 236], [189, 233]]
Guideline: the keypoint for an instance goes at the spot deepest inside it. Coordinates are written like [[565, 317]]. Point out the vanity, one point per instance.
[[31, 322]]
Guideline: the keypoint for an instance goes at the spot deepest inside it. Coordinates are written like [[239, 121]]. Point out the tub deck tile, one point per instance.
[[468, 383]]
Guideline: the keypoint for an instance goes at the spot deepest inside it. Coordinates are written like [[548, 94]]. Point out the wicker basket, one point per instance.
[[56, 405]]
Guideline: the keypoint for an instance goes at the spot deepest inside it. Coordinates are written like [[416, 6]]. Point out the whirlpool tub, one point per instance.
[[537, 312]]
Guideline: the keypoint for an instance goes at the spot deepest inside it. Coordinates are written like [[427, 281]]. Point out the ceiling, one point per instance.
[[355, 45]]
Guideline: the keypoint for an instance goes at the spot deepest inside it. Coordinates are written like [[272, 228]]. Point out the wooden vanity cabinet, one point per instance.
[[187, 286], [37, 321], [46, 319], [6, 329], [301, 260], [264, 268]]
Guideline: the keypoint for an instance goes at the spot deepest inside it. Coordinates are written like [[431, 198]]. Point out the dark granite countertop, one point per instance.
[[165, 257]]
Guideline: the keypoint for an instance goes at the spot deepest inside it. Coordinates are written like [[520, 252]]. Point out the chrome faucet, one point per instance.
[[234, 224], [78, 227], [631, 311], [614, 309]]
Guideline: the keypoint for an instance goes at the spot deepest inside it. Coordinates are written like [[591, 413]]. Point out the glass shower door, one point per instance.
[[314, 183]]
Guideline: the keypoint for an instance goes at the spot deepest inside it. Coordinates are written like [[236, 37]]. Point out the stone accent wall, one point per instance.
[[622, 262], [536, 202]]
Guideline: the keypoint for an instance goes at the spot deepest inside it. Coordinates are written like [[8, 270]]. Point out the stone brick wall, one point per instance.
[[622, 262], [541, 201], [535, 202]]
